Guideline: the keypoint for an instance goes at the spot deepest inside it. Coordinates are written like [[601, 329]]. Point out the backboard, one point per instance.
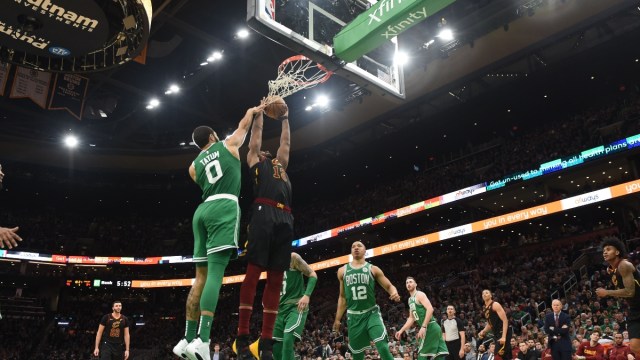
[[308, 27]]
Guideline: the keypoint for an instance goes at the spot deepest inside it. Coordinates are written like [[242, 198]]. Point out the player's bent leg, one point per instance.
[[288, 351], [383, 350], [217, 263]]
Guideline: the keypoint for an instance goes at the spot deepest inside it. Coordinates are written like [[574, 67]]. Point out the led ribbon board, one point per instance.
[[382, 22]]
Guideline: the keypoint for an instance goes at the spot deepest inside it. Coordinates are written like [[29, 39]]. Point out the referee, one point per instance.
[[115, 345], [453, 334]]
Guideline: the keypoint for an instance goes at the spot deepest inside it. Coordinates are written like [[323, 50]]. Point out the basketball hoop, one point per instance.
[[296, 73]]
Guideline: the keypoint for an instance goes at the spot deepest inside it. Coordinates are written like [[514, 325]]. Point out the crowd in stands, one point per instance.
[[165, 228], [523, 279]]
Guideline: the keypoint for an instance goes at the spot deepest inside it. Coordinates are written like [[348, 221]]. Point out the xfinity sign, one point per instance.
[[382, 22]]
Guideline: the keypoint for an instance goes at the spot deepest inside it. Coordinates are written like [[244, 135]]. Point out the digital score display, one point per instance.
[[96, 283]]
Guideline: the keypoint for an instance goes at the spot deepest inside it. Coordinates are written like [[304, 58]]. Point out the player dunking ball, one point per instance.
[[115, 344], [294, 307], [626, 280], [216, 170], [270, 236], [431, 344], [358, 298], [498, 323]]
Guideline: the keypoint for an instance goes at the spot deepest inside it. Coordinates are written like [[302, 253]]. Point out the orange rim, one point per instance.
[[304, 58]]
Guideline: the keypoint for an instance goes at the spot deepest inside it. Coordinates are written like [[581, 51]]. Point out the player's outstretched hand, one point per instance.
[[9, 237]]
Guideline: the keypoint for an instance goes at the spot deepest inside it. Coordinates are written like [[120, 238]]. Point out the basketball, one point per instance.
[[276, 108]]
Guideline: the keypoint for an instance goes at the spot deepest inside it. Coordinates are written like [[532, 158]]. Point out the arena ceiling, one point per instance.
[[498, 41]]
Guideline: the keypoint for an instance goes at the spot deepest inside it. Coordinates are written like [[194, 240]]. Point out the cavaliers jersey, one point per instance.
[[494, 320], [114, 328], [359, 287], [634, 302], [271, 181], [292, 287], [217, 171]]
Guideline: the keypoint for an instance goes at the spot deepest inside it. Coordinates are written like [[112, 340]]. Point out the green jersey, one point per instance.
[[359, 287], [292, 287], [217, 171], [419, 312]]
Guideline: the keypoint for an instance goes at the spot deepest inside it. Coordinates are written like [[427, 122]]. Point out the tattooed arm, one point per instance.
[[298, 263]]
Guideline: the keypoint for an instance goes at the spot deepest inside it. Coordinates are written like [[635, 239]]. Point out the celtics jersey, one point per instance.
[[292, 287], [217, 171], [359, 287], [419, 312]]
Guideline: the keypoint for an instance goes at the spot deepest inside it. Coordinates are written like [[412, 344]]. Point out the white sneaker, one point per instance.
[[198, 350], [179, 349]]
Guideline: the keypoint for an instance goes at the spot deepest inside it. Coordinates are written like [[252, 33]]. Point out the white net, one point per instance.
[[297, 73]]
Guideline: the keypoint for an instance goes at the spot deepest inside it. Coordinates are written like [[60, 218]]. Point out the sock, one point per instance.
[[216, 263], [247, 295], [383, 350], [192, 330], [205, 327], [270, 301]]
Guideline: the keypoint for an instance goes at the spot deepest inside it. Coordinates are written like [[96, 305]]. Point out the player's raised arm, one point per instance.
[[255, 141], [285, 140], [235, 140]]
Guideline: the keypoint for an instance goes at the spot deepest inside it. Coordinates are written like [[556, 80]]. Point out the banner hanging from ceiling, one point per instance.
[[31, 84], [69, 91]]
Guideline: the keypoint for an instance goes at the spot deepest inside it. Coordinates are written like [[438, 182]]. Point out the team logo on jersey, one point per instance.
[[364, 269]]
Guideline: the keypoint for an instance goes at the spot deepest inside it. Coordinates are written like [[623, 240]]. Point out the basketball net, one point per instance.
[[296, 73]]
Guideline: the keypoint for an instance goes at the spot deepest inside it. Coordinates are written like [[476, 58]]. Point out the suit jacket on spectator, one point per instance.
[[558, 336]]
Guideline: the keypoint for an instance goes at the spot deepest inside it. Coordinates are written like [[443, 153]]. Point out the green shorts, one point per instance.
[[215, 228], [364, 328], [289, 320], [432, 345]]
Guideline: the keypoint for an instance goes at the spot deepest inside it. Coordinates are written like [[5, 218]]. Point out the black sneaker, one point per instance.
[[242, 348], [265, 349]]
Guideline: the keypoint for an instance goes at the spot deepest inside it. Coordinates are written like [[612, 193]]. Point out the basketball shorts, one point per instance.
[[633, 326], [364, 328], [289, 320], [270, 238], [111, 351], [433, 345], [503, 352], [215, 228]]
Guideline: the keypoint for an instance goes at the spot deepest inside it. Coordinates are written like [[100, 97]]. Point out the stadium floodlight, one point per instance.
[[242, 33], [173, 89], [71, 141], [401, 58], [322, 101], [217, 55], [153, 103], [446, 34]]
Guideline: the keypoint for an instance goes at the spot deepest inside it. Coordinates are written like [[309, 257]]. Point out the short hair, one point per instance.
[[619, 245], [201, 135], [116, 302], [410, 277], [597, 331]]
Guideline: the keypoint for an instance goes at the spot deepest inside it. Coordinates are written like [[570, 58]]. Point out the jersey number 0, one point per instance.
[[207, 169]]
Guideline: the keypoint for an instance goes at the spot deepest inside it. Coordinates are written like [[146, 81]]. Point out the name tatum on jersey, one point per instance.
[[205, 160]]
